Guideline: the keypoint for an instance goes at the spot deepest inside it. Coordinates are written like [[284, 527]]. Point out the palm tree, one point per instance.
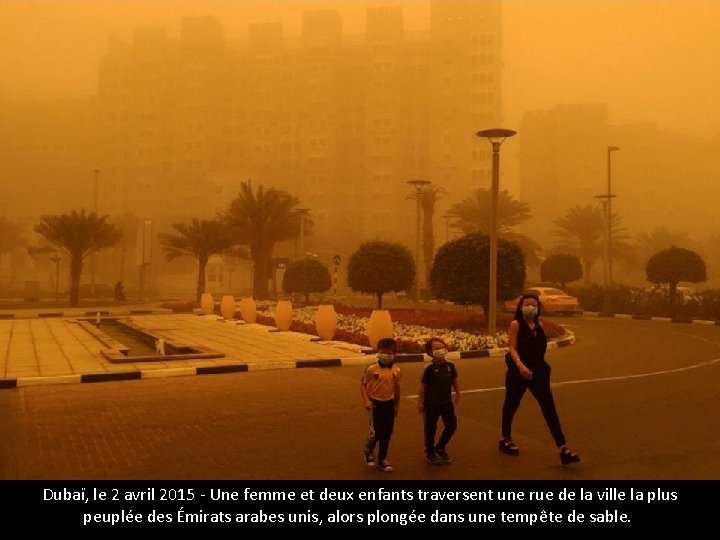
[[201, 239], [581, 232], [428, 198], [78, 234], [261, 219], [474, 214]]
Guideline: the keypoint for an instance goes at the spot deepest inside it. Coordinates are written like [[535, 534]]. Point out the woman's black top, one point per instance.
[[531, 346]]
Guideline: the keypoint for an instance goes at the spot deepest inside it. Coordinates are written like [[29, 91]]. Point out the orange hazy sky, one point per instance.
[[650, 60]]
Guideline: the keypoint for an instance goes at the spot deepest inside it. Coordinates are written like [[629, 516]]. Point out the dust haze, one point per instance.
[[160, 110]]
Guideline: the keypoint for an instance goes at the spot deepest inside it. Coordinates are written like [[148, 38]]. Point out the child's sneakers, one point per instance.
[[443, 455], [432, 458], [369, 458], [384, 465]]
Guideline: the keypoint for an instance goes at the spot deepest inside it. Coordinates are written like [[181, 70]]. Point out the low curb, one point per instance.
[[680, 320], [102, 312], [302, 363]]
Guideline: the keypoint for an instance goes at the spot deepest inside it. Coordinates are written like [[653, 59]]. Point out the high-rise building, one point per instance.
[[340, 120]]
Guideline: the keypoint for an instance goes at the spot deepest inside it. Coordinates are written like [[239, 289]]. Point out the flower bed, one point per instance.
[[461, 330]]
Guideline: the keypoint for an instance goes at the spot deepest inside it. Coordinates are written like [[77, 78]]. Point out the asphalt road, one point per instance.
[[637, 399]]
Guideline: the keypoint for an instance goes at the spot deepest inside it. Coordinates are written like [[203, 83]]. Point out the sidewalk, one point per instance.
[[51, 350], [38, 348]]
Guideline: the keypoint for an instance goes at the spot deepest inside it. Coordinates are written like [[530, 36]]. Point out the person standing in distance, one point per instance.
[[527, 369], [435, 400], [380, 391]]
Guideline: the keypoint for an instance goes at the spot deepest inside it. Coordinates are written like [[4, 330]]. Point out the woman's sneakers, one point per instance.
[[507, 446], [567, 457]]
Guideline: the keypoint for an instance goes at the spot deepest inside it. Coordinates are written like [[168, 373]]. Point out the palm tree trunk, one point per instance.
[[76, 264], [202, 263], [260, 277]]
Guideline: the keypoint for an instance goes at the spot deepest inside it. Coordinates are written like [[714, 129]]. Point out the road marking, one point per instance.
[[601, 379]]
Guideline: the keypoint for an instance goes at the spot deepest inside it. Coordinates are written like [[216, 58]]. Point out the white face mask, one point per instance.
[[439, 353], [529, 311], [385, 359]]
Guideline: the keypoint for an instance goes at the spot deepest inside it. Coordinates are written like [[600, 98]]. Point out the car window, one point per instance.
[[554, 291]]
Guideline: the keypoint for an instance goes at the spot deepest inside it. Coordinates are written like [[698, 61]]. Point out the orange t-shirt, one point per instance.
[[380, 381]]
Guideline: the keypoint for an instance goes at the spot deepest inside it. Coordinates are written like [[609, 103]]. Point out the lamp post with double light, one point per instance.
[[496, 137], [610, 150]]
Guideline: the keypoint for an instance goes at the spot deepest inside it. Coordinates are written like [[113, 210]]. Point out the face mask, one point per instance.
[[439, 354], [385, 359], [529, 311]]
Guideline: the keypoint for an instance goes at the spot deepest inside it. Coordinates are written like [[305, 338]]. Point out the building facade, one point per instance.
[[342, 121]]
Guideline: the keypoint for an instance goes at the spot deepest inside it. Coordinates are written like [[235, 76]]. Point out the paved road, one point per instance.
[[637, 399]]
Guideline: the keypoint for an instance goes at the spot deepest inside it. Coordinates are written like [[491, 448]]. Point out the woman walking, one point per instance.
[[527, 369]]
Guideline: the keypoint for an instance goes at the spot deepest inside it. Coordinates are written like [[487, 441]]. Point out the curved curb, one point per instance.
[[681, 320], [241, 367]]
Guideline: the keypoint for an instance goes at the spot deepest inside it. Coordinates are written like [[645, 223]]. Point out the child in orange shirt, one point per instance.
[[380, 391]]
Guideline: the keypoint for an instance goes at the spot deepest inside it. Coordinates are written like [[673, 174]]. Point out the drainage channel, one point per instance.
[[123, 343]]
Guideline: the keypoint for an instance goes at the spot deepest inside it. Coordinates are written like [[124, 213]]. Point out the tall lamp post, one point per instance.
[[610, 150], [93, 262], [302, 212], [604, 200], [418, 185], [336, 263], [496, 138]]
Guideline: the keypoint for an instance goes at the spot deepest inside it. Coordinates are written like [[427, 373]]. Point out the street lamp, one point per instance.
[[604, 200], [418, 185], [93, 261], [302, 212], [496, 138], [610, 150], [336, 263]]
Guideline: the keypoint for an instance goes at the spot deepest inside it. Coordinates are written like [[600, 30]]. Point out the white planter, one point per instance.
[[379, 326], [248, 310], [207, 303], [326, 322], [227, 307], [283, 315]]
